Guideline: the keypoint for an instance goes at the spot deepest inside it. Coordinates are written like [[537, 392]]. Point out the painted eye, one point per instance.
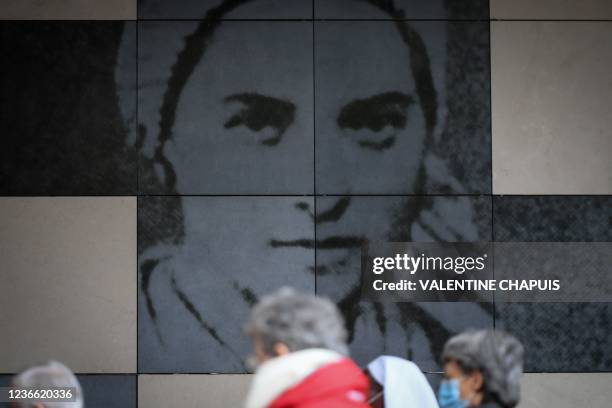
[[259, 112], [376, 113]]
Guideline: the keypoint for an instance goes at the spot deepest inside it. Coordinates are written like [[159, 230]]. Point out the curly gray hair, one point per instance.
[[498, 355], [299, 321], [50, 375]]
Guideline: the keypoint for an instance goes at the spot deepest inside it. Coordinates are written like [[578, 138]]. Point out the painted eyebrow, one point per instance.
[[261, 111], [376, 112]]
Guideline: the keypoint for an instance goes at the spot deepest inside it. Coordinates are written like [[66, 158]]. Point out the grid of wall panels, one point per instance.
[[261, 143], [273, 148]]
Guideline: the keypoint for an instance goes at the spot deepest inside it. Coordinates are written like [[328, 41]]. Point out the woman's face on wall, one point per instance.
[[246, 122]]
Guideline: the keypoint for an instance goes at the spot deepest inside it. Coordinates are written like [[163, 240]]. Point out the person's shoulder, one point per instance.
[[340, 384]]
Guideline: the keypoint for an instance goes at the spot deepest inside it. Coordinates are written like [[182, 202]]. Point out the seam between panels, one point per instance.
[[137, 377], [314, 146], [490, 25]]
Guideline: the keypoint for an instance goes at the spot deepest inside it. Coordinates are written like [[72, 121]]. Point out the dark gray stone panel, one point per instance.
[[403, 9], [203, 267], [416, 331], [100, 391], [225, 9], [68, 103], [402, 107], [227, 111], [564, 337]]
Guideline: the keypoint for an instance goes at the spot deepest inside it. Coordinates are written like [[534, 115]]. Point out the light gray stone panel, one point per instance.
[[185, 390], [570, 390], [551, 9], [68, 283], [551, 94]]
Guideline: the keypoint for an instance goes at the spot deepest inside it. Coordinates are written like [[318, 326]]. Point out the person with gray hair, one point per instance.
[[482, 369], [300, 353], [47, 376]]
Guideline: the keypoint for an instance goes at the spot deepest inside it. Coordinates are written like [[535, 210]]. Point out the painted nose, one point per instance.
[[333, 213]]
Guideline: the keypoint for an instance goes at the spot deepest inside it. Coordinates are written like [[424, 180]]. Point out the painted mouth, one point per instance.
[[333, 242]]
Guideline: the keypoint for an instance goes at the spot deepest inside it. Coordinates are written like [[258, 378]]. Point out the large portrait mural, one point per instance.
[[272, 150]]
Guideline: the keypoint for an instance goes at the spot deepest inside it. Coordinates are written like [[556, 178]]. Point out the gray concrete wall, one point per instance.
[[551, 9], [68, 283], [551, 94], [566, 390], [186, 391], [539, 390]]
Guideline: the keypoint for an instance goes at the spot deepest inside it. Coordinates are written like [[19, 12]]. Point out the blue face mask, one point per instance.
[[449, 395]]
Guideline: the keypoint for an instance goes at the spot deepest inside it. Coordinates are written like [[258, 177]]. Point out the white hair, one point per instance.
[[299, 321], [498, 355], [50, 375]]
